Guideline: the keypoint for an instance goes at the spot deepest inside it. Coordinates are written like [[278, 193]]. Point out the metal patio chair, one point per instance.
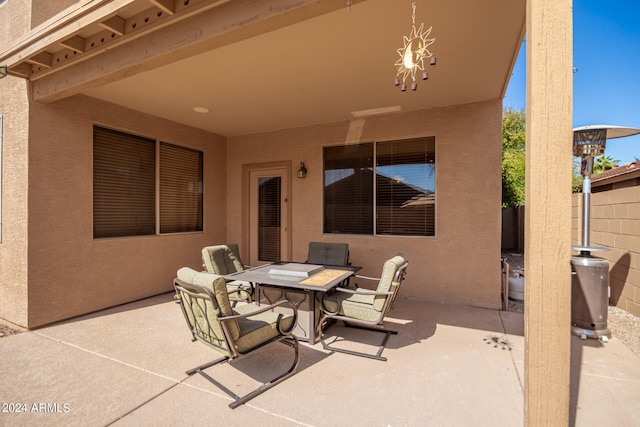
[[225, 259], [328, 253], [363, 308], [234, 332]]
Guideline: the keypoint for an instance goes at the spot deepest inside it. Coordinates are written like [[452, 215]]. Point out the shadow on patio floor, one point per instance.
[[449, 365]]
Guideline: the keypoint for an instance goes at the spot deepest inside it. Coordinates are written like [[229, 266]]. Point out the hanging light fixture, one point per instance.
[[413, 54]]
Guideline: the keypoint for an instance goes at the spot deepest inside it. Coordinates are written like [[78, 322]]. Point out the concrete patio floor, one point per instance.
[[449, 366]]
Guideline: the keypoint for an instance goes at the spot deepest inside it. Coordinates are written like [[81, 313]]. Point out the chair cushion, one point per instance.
[[366, 307], [218, 287], [257, 329], [386, 279], [357, 306], [221, 259], [328, 253]]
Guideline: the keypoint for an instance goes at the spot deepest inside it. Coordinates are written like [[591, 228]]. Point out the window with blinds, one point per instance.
[[269, 218], [405, 187], [397, 190], [124, 186], [180, 189], [348, 189]]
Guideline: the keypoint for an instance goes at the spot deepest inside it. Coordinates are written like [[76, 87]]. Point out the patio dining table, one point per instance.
[[300, 283]]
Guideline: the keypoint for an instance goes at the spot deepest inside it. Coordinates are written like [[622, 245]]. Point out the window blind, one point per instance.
[[180, 189], [348, 189], [403, 181], [123, 184], [269, 218], [405, 187]]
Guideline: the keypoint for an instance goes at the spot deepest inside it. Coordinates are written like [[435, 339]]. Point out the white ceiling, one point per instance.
[[323, 69]]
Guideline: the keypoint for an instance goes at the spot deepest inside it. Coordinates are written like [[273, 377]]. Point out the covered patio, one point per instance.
[[449, 366], [284, 80]]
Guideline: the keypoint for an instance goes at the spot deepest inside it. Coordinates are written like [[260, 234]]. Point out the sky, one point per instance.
[[606, 85]]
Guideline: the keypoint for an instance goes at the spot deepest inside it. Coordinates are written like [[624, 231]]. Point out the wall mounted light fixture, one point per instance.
[[302, 171], [3, 71]]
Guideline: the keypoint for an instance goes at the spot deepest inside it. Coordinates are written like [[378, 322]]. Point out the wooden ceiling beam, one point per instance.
[[39, 39], [21, 70], [167, 6], [42, 59], [76, 43], [110, 60], [115, 24]]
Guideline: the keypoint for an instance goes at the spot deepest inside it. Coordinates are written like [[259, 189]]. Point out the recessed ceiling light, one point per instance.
[[201, 109]]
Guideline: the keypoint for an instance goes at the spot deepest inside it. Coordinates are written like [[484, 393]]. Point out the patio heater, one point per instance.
[[590, 274]]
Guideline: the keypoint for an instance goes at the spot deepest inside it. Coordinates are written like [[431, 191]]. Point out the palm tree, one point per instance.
[[604, 163]]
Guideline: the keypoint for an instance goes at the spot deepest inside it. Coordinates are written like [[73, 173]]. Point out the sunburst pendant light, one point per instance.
[[413, 54]]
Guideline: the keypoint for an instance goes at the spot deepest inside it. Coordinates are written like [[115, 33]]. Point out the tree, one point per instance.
[[601, 164], [604, 163], [576, 182], [513, 157]]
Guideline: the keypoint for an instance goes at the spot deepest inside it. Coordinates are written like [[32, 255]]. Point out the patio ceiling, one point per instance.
[[321, 69]]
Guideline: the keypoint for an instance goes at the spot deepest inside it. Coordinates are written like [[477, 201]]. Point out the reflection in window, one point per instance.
[[404, 186], [348, 189]]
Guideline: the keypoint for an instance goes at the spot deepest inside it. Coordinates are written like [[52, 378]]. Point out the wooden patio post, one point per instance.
[[548, 219]]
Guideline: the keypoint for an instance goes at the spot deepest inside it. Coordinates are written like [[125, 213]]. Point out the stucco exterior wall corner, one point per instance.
[[72, 273], [14, 108]]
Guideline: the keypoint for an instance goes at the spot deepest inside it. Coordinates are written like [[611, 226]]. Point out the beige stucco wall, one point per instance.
[[462, 263], [44, 10], [15, 17], [14, 107], [615, 223], [53, 269], [19, 16], [70, 273]]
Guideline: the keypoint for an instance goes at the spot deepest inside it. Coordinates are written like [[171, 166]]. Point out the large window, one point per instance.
[[128, 172], [393, 195]]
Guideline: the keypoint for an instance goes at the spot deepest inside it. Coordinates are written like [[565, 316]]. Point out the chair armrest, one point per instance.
[[362, 291], [214, 275], [352, 291], [268, 308], [366, 277]]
